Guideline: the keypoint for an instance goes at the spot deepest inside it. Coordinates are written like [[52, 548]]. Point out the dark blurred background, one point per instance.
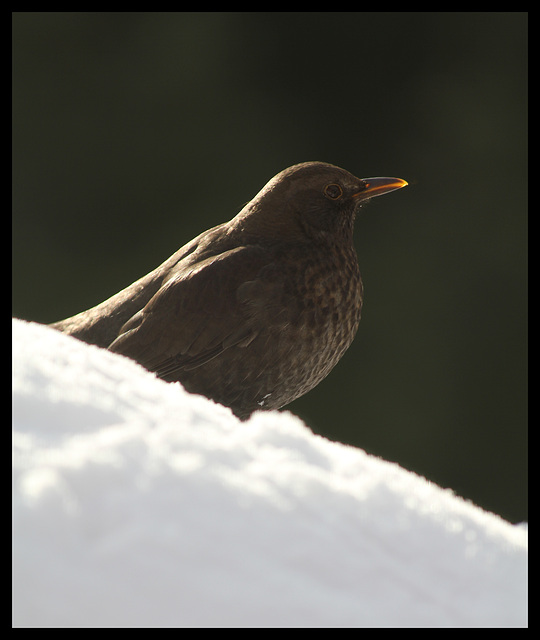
[[134, 132]]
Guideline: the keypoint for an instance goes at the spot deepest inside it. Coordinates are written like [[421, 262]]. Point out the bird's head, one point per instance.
[[309, 201]]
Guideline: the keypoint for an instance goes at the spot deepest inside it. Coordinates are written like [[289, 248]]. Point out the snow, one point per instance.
[[138, 504]]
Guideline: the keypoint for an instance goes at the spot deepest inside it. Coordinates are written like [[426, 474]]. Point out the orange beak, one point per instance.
[[378, 186]]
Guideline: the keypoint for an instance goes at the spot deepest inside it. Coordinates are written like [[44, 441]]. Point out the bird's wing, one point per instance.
[[203, 310]]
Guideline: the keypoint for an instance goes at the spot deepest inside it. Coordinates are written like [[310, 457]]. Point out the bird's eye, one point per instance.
[[333, 191]]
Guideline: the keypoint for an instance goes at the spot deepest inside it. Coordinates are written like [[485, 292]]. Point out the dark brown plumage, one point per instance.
[[256, 311]]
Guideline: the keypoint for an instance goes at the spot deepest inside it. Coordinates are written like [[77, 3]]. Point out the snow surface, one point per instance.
[[138, 504]]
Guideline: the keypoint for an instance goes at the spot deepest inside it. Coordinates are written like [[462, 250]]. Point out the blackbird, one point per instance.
[[255, 312]]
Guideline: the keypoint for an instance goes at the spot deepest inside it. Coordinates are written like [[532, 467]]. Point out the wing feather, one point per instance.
[[200, 312]]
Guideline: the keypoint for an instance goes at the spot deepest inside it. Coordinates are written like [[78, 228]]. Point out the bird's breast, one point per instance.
[[333, 301], [324, 301]]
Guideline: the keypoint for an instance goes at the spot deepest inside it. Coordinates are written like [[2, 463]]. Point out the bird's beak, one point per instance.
[[378, 186]]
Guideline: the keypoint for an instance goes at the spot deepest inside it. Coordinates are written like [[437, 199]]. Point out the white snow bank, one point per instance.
[[136, 503]]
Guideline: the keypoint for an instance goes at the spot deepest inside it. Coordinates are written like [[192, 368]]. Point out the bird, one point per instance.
[[255, 312]]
